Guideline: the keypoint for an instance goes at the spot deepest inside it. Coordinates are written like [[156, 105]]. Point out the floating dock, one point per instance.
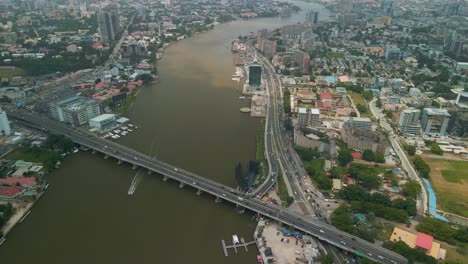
[[235, 246]]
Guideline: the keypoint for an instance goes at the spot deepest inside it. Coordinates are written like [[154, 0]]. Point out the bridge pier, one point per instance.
[[218, 200], [149, 172], [119, 162], [106, 156], [134, 167], [199, 192], [165, 178], [181, 185]]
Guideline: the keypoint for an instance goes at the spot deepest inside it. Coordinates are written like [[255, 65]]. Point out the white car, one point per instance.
[[321, 231]]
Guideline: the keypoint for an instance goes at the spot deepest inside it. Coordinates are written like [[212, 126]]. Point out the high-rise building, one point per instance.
[[454, 43], [409, 121], [302, 59], [75, 110], [292, 31], [255, 74], [108, 24], [308, 117], [392, 52], [434, 121], [312, 17], [5, 129], [268, 47], [314, 117], [387, 8], [302, 117]]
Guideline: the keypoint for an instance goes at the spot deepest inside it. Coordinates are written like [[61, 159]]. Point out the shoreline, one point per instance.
[[22, 211]]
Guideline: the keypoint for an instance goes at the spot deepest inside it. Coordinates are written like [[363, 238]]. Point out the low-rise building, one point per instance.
[[362, 139], [359, 122], [102, 122]]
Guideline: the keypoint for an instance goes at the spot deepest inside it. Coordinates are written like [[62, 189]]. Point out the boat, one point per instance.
[[259, 259], [129, 130], [235, 239], [245, 110], [241, 97], [75, 150]]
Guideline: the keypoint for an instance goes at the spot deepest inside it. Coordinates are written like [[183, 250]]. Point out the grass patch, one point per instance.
[[456, 172], [456, 254], [11, 73], [37, 156], [359, 100], [283, 191], [450, 188]]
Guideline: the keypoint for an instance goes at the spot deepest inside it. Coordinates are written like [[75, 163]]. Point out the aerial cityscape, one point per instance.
[[234, 131]]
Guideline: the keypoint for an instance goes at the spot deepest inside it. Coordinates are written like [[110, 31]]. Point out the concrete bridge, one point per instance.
[[320, 230]]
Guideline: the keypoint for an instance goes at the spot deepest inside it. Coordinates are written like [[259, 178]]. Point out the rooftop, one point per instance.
[[436, 111], [424, 241]]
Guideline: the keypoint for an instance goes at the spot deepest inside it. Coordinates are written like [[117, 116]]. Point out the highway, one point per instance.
[[421, 202], [318, 229]]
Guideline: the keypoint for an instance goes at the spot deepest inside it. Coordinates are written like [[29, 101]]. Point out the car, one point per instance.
[[194, 183], [380, 257], [176, 169], [224, 194], [370, 254], [135, 158], [343, 243], [321, 231]]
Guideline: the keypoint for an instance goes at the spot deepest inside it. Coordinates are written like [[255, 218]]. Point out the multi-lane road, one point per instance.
[[318, 229]]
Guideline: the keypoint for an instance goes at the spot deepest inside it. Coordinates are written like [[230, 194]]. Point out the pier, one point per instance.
[[235, 246]]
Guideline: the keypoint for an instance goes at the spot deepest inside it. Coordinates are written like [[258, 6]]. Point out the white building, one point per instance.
[[75, 110], [314, 117], [102, 121], [409, 121], [4, 124]]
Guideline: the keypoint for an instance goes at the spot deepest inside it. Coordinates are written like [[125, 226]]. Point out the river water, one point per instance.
[[191, 119]]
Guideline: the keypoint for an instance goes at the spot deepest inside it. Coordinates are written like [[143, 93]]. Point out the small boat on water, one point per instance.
[[245, 110], [235, 239], [241, 97]]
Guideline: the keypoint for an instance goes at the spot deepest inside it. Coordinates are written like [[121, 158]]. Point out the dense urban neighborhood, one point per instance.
[[362, 111]]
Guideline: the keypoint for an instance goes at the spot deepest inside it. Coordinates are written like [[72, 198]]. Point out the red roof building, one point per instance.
[[27, 181], [424, 241], [10, 191], [356, 155]]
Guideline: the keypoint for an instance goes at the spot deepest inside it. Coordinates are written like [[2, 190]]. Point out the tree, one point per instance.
[[421, 166], [378, 103], [389, 115], [368, 155], [435, 148], [411, 150], [361, 108], [379, 158], [344, 156], [411, 189]]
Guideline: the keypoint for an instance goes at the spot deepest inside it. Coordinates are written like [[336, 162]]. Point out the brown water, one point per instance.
[[191, 119]]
